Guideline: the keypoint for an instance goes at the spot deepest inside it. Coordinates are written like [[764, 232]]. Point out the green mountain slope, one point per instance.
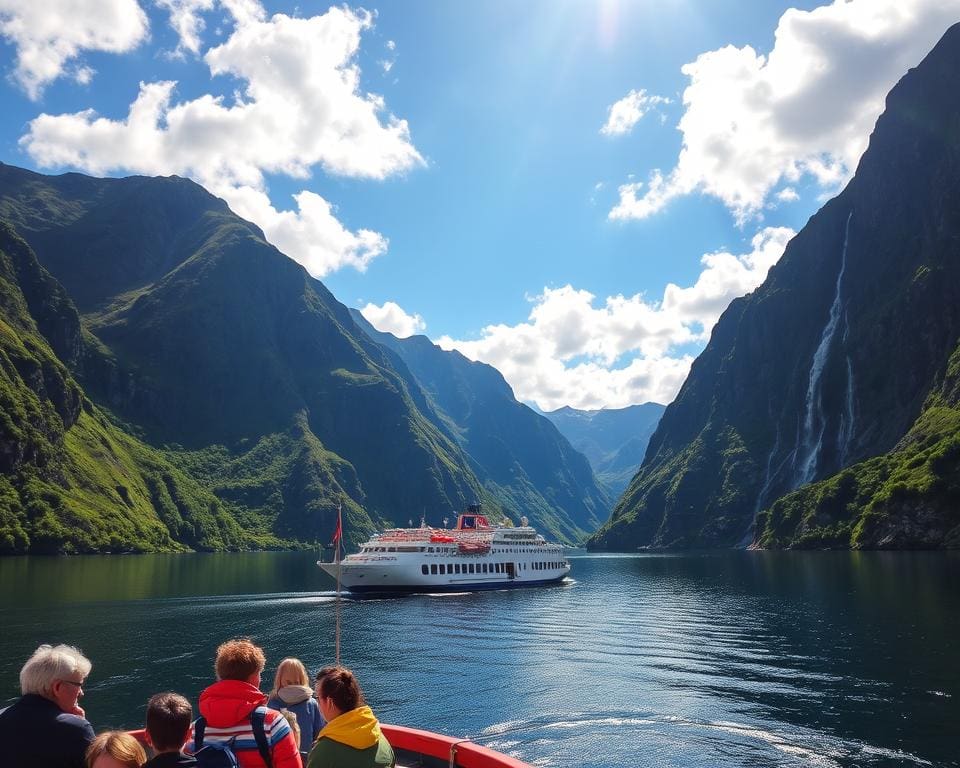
[[70, 481], [207, 343], [830, 361], [520, 457]]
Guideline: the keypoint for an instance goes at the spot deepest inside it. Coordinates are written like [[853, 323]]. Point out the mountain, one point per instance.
[[520, 457], [197, 337], [839, 370], [71, 481], [614, 440]]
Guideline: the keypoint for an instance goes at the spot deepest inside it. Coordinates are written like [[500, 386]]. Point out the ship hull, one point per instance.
[[378, 582]]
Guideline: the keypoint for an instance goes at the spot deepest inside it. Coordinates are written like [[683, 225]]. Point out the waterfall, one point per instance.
[[814, 420], [845, 433]]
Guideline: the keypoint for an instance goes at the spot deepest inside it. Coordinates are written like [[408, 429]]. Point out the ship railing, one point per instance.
[[427, 749]]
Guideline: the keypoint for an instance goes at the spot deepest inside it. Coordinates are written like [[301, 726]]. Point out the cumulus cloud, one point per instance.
[[301, 108], [752, 122], [626, 113], [48, 35], [391, 318], [572, 351]]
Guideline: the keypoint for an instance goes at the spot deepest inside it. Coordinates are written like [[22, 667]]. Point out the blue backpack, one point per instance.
[[220, 754]]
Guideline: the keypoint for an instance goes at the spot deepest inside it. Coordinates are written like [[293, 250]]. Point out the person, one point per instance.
[[228, 704], [115, 749], [167, 729], [352, 737], [46, 727], [292, 691]]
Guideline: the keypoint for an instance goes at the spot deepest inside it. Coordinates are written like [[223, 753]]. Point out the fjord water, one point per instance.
[[716, 659]]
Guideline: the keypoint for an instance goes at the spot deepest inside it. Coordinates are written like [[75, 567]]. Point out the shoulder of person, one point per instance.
[[75, 721]]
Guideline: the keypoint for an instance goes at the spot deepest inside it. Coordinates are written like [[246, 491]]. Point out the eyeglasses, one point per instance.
[[73, 682]]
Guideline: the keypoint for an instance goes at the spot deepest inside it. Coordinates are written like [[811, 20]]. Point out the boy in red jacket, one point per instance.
[[228, 703]]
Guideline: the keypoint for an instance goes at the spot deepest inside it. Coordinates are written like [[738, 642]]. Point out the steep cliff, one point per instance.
[[830, 361]]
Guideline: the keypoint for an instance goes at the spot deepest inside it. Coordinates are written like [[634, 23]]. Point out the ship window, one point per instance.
[[429, 549], [456, 568], [443, 569], [433, 569], [424, 570], [471, 568], [391, 549]]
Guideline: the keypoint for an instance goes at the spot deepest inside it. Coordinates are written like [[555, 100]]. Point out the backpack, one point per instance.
[[221, 754]]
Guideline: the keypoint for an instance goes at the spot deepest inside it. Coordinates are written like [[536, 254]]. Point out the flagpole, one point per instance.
[[338, 536]]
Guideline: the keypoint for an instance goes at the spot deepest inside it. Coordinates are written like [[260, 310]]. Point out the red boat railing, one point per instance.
[[459, 753]]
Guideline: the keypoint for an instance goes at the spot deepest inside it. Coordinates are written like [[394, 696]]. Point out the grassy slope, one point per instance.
[[72, 481]]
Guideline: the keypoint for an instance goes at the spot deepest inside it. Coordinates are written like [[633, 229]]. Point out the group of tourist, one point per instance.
[[328, 725]]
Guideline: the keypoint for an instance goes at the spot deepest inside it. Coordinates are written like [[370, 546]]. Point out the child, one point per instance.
[[168, 727], [115, 749]]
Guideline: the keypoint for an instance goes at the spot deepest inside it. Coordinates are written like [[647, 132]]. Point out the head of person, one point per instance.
[[290, 672], [56, 672], [115, 749], [168, 721], [240, 659], [337, 692]]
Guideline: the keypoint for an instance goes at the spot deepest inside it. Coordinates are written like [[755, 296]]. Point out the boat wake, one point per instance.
[[675, 740]]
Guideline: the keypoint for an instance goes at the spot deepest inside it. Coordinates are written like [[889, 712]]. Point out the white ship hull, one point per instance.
[[409, 560]]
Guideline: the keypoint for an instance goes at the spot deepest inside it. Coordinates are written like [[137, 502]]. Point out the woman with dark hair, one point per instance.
[[352, 737]]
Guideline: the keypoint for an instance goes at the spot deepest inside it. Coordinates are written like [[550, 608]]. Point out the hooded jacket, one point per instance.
[[299, 700], [227, 705], [352, 740]]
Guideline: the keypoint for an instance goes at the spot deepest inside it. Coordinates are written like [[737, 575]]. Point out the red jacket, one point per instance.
[[227, 705]]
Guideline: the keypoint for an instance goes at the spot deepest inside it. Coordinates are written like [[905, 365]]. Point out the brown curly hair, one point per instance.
[[238, 659]]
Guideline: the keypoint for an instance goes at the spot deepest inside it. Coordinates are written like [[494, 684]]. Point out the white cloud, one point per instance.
[[48, 34], [572, 352], [301, 107], [311, 235], [391, 318], [753, 121], [627, 112], [186, 21]]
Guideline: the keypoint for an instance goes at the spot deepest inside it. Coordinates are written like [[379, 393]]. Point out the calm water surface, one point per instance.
[[718, 659]]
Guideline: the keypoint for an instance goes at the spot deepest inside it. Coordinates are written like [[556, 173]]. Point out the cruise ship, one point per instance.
[[472, 556]]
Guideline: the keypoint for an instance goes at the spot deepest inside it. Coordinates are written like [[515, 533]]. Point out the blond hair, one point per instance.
[[290, 672], [121, 746]]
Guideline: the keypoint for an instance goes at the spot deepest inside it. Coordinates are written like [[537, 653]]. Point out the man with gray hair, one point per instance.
[[46, 727]]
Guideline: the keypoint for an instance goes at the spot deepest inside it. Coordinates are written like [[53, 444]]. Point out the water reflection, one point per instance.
[[705, 659]]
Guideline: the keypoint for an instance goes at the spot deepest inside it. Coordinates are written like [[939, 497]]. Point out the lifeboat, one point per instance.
[[441, 538], [473, 548], [415, 747]]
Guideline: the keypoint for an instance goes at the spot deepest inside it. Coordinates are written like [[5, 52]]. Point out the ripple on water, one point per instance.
[[674, 740]]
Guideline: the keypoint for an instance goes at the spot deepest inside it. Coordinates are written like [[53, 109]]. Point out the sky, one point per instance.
[[570, 190]]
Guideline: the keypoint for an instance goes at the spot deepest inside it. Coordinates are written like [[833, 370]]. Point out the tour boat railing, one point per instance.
[[457, 753]]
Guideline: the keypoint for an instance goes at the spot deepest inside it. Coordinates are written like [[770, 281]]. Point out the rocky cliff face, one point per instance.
[[830, 361]]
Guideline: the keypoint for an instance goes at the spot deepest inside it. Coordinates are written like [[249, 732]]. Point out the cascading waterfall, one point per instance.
[[813, 420], [845, 433]]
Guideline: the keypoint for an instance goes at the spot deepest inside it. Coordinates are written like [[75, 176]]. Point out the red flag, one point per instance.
[[337, 534]]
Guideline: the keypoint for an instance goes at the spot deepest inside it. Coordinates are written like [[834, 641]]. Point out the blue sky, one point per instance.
[[569, 190]]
